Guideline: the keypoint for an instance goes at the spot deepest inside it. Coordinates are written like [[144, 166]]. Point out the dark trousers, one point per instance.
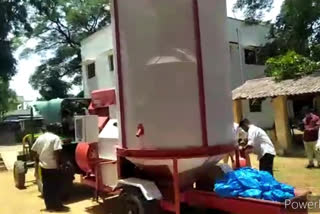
[[51, 181], [266, 163]]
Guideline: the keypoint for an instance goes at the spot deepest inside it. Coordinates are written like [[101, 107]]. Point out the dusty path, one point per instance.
[[28, 201]]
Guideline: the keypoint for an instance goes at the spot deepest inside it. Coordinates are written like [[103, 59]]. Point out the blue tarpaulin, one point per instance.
[[251, 183]]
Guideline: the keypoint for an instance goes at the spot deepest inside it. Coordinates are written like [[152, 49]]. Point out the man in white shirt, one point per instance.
[[48, 147], [260, 144]]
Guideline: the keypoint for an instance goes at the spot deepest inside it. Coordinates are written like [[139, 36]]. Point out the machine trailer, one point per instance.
[[157, 137]]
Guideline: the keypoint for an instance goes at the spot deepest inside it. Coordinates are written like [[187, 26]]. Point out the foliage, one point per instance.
[[253, 9], [297, 27], [80, 94], [8, 98], [60, 25], [13, 22], [290, 66]]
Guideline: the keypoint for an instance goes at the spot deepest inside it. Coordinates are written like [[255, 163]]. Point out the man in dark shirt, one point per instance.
[[310, 137]]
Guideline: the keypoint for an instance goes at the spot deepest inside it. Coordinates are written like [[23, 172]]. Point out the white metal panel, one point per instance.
[[86, 128], [109, 141], [212, 15], [148, 188], [159, 69], [109, 173]]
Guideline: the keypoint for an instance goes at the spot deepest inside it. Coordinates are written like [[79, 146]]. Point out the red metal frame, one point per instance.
[[177, 153], [167, 206], [176, 186], [202, 99], [120, 80], [238, 205]]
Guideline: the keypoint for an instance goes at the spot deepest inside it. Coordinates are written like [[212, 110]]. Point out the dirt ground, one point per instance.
[[291, 170], [28, 201]]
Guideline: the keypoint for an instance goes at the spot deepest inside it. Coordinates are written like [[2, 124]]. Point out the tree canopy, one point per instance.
[[7, 99], [253, 10], [13, 22], [60, 25], [290, 66]]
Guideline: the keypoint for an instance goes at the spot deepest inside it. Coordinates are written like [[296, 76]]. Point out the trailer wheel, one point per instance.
[[133, 202], [19, 174]]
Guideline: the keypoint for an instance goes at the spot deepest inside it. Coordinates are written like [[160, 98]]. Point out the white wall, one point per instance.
[[263, 119], [97, 48], [247, 36], [242, 36]]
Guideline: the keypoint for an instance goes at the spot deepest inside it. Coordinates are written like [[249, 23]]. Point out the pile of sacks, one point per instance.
[[251, 183]]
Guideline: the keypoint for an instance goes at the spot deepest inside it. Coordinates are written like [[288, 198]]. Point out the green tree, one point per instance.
[[8, 98], [60, 25], [290, 66], [13, 24], [253, 10]]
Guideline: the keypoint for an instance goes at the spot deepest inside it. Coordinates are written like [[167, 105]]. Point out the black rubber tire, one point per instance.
[[132, 201], [19, 174]]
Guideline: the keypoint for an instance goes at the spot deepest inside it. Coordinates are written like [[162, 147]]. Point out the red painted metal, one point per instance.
[[202, 99], [236, 205], [82, 157], [119, 68], [167, 206], [177, 153], [91, 182], [176, 186], [103, 98], [102, 121], [237, 154]]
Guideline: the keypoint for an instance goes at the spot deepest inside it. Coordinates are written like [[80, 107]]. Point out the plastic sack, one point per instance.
[[281, 196], [268, 196], [251, 183], [266, 177], [223, 190], [247, 179], [251, 193], [287, 188]]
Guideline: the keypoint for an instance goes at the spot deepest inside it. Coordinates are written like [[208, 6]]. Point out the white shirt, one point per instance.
[[45, 146], [318, 142], [260, 141], [235, 129]]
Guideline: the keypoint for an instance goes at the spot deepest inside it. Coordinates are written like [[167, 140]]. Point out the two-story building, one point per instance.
[[244, 43]]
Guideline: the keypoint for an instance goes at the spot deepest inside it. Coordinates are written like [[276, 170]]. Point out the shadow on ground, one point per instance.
[[79, 192], [109, 206]]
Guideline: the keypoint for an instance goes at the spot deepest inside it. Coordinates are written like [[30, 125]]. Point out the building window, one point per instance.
[[111, 64], [91, 70], [255, 105], [250, 56], [254, 56]]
